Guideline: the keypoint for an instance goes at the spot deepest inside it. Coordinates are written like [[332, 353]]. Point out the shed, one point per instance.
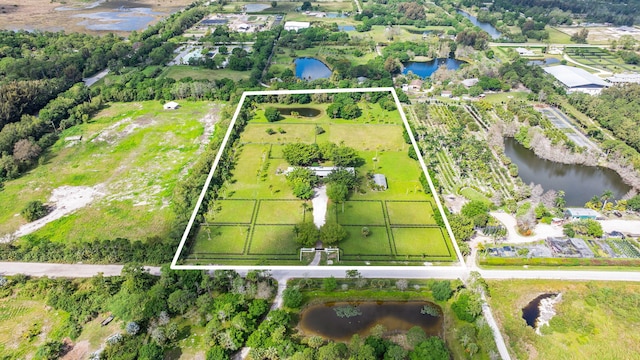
[[446, 93], [171, 105], [296, 25], [525, 52], [380, 180], [581, 213], [470, 82], [415, 84]]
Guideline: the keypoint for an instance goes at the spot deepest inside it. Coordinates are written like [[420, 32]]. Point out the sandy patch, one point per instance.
[[64, 200], [78, 352], [113, 133], [319, 203], [540, 232]]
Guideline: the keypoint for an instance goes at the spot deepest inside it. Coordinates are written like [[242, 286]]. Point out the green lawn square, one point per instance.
[[231, 211], [281, 212], [221, 239], [360, 213], [377, 243], [419, 241], [273, 239], [410, 213]]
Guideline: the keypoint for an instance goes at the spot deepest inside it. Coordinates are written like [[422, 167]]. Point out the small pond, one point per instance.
[[579, 182], [426, 68], [547, 61], [337, 15], [323, 320], [302, 111], [346, 28], [531, 312], [311, 69], [256, 7], [120, 19], [490, 29]]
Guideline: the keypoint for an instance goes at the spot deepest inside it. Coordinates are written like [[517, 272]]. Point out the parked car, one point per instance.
[[617, 213]]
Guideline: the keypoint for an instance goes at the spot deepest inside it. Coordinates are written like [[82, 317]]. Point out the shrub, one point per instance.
[[270, 131], [442, 290], [292, 297], [272, 114], [34, 211]]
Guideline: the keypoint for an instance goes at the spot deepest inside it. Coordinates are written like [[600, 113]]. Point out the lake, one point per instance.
[[311, 69], [580, 183], [426, 68], [122, 19], [302, 111], [323, 320], [490, 29]]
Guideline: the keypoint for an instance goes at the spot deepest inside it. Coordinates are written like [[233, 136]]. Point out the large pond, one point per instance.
[[323, 319], [426, 68], [580, 183], [311, 69], [490, 29], [256, 7], [543, 62], [301, 111], [346, 28], [120, 19]]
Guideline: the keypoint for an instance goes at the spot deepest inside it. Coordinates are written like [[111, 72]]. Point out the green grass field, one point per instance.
[[232, 211], [410, 213], [593, 320], [178, 72], [420, 241], [273, 239], [221, 239], [361, 213], [377, 243], [280, 212], [132, 154]]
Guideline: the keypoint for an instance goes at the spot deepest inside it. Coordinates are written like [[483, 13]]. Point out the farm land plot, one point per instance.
[[257, 175]]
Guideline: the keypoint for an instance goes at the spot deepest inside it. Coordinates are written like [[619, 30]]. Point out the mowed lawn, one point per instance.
[[281, 212], [257, 133], [360, 213], [377, 243], [420, 241], [402, 175], [594, 320], [368, 137], [231, 211], [134, 152], [410, 213], [253, 181], [273, 240], [221, 239]]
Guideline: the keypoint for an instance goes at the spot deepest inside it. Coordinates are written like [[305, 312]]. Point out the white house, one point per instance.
[[171, 105], [525, 52], [296, 25]]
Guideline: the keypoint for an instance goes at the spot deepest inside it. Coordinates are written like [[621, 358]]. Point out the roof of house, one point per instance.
[[574, 77], [470, 82], [323, 171], [416, 82], [578, 212], [297, 24], [171, 104]]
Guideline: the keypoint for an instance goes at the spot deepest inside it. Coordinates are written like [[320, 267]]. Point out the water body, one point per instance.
[[302, 111], [547, 61], [322, 319], [122, 19], [346, 28], [580, 183], [256, 7], [311, 69], [426, 68], [490, 29], [531, 312], [337, 15]]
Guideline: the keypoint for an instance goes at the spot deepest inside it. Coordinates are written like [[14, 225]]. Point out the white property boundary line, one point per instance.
[[175, 266]]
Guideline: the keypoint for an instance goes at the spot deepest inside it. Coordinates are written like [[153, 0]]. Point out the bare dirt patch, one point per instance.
[[78, 352]]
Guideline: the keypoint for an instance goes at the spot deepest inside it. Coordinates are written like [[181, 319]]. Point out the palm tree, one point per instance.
[[606, 196], [560, 200], [305, 207]]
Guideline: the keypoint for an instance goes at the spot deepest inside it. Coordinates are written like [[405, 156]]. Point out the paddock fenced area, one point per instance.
[[601, 59], [251, 218]]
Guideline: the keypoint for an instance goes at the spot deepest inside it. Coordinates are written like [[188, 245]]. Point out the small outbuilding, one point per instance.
[[380, 180], [171, 105], [296, 25], [581, 213]]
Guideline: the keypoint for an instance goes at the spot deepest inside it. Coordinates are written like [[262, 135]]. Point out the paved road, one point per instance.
[[94, 79]]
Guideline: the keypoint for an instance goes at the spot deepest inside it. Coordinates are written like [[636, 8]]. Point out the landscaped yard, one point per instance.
[[258, 194], [221, 239]]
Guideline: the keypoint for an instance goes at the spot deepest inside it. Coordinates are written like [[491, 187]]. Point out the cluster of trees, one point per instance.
[[476, 38], [585, 227], [399, 12], [344, 107], [312, 36], [531, 76], [301, 154], [307, 234]]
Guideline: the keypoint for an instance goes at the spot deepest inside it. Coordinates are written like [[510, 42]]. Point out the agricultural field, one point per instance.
[[119, 177], [254, 217], [593, 319], [178, 72], [601, 59]]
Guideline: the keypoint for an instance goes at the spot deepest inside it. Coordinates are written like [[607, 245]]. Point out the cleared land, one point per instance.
[[400, 219], [134, 153], [593, 320]]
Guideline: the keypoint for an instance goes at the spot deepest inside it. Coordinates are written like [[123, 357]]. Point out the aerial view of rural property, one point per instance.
[[319, 180]]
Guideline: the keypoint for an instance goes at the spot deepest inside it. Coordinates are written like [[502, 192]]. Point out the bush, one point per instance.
[[272, 114], [34, 211], [292, 297], [442, 290]]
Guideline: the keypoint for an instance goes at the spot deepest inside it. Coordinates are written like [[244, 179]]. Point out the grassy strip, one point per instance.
[[491, 261]]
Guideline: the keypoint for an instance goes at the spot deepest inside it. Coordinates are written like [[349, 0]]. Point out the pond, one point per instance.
[[311, 69], [579, 182], [426, 68], [323, 319], [302, 111], [337, 15], [120, 19], [346, 28], [531, 312], [256, 7], [490, 29], [547, 61]]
